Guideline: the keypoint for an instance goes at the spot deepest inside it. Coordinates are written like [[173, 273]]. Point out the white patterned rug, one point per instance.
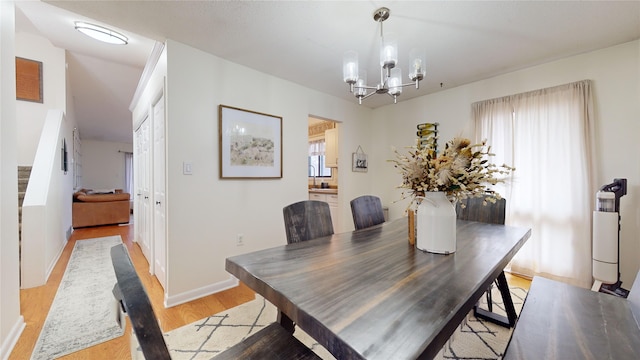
[[84, 309], [203, 339], [478, 339]]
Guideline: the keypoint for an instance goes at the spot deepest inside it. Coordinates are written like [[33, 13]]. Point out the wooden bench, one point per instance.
[[272, 342], [560, 321]]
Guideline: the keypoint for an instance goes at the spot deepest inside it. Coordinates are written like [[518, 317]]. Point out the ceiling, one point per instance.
[[304, 42]]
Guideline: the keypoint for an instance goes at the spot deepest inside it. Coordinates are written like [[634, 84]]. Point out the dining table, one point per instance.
[[370, 294]]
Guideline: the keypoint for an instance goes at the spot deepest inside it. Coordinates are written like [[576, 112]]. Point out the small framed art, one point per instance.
[[359, 161]]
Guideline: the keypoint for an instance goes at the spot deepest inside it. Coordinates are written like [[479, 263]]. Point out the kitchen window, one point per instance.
[[317, 160]]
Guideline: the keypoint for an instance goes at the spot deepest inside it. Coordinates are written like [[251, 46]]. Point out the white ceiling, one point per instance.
[[304, 41]]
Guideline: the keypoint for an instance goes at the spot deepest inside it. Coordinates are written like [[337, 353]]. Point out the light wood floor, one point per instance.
[[35, 302], [515, 280]]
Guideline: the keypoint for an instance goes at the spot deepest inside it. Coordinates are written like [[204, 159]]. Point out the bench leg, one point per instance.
[[286, 322], [506, 321]]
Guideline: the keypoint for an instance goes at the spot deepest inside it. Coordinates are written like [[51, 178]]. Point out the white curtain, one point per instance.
[[128, 173], [317, 147], [547, 135]]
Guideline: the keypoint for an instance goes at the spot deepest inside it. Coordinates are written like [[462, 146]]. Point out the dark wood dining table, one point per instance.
[[369, 294]]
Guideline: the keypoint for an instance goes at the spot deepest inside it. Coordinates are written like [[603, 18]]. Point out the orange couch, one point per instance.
[[98, 208]]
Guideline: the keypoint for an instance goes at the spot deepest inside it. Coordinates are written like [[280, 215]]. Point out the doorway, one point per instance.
[[323, 165]]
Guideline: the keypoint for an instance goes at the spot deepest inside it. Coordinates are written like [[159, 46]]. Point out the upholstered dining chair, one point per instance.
[[493, 213], [306, 220], [367, 211]]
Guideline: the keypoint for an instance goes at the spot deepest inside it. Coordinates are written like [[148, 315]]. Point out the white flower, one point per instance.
[[461, 171]]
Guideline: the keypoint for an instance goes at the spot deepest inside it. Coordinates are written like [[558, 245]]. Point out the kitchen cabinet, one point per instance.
[[331, 148], [332, 200]]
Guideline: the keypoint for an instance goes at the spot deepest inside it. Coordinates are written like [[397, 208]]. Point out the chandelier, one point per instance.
[[390, 75]]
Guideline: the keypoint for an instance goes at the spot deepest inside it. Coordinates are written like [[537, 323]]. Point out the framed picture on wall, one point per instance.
[[28, 80], [250, 144]]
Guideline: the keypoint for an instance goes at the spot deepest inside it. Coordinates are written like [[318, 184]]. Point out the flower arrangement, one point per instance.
[[461, 171]]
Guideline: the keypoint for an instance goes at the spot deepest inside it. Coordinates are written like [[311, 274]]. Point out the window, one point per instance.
[[317, 160], [547, 136]]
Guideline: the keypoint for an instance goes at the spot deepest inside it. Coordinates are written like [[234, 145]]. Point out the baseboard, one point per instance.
[[54, 262], [12, 338], [201, 292]]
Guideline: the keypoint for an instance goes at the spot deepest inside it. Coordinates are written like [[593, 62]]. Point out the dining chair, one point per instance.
[[133, 299], [474, 209], [367, 211], [306, 220]]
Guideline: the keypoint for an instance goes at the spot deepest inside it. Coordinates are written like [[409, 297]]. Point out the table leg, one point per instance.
[[286, 322], [506, 321]]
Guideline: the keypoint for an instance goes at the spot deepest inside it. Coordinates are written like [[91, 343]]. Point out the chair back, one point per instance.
[[474, 210], [306, 220], [367, 211], [132, 295]]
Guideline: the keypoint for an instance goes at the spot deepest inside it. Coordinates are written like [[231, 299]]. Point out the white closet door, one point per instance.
[[159, 196], [142, 177]]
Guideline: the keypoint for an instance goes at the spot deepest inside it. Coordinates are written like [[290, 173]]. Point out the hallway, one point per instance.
[[35, 302]]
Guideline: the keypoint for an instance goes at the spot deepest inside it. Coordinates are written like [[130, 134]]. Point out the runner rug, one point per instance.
[[203, 339], [84, 309]]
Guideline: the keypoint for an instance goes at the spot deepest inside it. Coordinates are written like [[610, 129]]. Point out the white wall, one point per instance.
[[615, 72], [31, 122], [24, 120], [205, 213], [31, 118], [46, 210], [11, 322], [31, 115], [103, 165]]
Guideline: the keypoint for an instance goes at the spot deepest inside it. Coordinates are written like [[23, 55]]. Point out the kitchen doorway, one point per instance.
[[323, 165]]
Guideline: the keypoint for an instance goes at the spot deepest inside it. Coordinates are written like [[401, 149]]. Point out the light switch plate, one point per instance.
[[187, 168]]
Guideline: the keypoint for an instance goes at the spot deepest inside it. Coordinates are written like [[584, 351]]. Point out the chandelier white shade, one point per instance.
[[390, 73], [101, 33]]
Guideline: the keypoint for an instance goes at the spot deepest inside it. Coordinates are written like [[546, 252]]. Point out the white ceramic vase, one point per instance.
[[436, 224]]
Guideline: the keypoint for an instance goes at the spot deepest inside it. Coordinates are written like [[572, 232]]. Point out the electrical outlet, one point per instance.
[[240, 240]]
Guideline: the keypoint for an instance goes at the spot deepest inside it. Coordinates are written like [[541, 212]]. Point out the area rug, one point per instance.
[[203, 339], [84, 310], [477, 339]]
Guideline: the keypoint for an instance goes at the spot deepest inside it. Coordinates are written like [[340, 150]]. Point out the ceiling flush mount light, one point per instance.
[[101, 33], [390, 75]]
